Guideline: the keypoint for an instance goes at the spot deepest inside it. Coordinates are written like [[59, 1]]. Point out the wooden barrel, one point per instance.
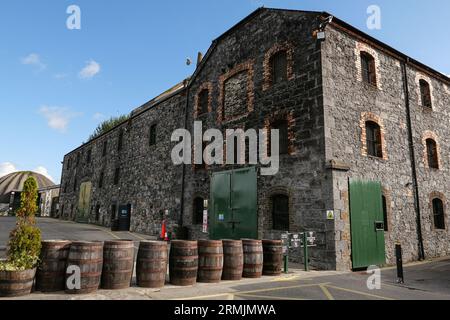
[[210, 261], [151, 266], [16, 283], [253, 258], [51, 272], [183, 262], [118, 264], [233, 260], [273, 257], [88, 257]]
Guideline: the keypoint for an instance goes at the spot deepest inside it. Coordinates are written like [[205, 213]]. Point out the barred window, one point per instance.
[[373, 137], [432, 154], [438, 213], [280, 212], [279, 67], [425, 93], [368, 68]]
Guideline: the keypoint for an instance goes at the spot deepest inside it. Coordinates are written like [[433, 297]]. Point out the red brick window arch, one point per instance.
[[203, 100], [373, 138], [280, 212], [432, 154], [278, 64]]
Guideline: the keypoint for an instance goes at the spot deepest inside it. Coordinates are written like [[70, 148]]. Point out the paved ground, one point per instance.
[[425, 281]]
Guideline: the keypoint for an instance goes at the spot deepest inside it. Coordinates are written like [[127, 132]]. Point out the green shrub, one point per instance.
[[24, 245]]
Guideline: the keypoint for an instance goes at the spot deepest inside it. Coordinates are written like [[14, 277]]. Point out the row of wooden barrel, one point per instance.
[[110, 265]]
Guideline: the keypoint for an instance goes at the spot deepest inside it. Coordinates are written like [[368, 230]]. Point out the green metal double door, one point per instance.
[[233, 210], [367, 224]]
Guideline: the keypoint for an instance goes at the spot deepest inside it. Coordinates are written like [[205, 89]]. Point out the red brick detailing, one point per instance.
[[369, 116], [363, 47], [431, 135], [208, 86], [281, 115], [246, 66], [289, 48]]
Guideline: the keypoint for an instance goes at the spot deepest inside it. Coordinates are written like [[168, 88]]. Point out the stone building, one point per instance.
[[363, 146]]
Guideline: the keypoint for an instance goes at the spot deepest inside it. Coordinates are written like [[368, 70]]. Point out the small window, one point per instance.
[[368, 69], [280, 212], [438, 213], [279, 65], [432, 154], [203, 101], [97, 213], [385, 213], [89, 156], [78, 158], [100, 180], [105, 148], [425, 93], [153, 132], [198, 210], [75, 185], [113, 212], [373, 137], [120, 140], [117, 176], [282, 127], [68, 163]]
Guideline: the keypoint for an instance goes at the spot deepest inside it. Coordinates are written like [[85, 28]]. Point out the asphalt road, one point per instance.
[[423, 281]]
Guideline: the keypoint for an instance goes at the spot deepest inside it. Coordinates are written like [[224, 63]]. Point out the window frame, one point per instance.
[[432, 153], [425, 94], [368, 68], [438, 224], [284, 225], [275, 65], [374, 140]]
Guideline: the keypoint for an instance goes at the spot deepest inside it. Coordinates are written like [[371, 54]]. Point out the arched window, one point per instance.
[[279, 65], [198, 210], [432, 154], [282, 127], [425, 93], [373, 137], [203, 101], [368, 69], [385, 213], [438, 213], [280, 212]]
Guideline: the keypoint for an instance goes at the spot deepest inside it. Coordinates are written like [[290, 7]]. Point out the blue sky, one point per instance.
[[57, 84]]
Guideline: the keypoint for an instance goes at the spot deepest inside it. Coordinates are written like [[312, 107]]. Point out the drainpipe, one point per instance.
[[413, 161], [183, 177]]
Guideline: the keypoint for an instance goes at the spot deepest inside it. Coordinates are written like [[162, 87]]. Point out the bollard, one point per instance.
[[398, 255], [305, 250], [286, 264]]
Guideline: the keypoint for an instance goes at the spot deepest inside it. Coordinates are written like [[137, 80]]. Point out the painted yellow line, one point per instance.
[[326, 292], [285, 279], [266, 297], [360, 293], [255, 291]]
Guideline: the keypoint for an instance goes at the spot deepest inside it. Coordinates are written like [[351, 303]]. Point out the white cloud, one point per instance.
[[91, 69], [44, 172], [7, 168], [58, 118], [33, 59]]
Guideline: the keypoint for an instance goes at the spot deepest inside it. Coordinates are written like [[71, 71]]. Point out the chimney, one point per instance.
[[199, 58]]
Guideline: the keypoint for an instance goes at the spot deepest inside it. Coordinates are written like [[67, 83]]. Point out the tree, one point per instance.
[[107, 125], [24, 245]]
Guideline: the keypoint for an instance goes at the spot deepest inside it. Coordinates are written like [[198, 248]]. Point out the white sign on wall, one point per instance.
[[205, 221]]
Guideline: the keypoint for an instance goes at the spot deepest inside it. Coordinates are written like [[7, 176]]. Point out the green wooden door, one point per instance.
[[233, 205], [367, 224]]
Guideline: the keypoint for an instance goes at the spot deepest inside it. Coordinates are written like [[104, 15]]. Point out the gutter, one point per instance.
[[421, 251], [187, 85]]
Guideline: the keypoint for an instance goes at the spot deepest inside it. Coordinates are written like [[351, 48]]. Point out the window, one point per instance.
[[117, 176], [432, 154], [279, 65], [280, 212], [373, 136], [68, 164], [78, 159], [120, 140], [198, 210], [75, 183], [368, 69], [425, 93], [97, 213], [203, 101], [65, 188], [89, 156], [282, 126], [153, 132], [105, 148], [113, 212], [385, 213], [438, 213], [100, 180]]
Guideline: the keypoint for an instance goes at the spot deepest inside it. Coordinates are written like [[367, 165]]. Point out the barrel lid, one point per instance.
[[118, 241], [209, 242], [87, 243], [251, 240], [56, 241]]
